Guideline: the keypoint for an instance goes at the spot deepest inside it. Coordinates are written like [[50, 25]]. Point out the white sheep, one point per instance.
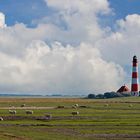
[[1, 119], [12, 111], [76, 105]]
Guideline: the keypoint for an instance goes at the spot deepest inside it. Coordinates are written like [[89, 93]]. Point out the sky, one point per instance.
[[67, 47]]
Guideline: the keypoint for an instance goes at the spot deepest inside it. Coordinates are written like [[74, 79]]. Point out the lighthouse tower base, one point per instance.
[[135, 93]]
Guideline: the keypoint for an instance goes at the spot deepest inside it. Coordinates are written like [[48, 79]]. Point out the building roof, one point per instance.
[[123, 89]]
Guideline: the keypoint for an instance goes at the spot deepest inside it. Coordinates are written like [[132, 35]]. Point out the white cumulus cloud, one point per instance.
[[2, 20], [82, 6], [124, 42], [59, 69]]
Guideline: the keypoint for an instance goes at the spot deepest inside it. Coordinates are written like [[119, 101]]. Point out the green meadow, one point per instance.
[[98, 119]]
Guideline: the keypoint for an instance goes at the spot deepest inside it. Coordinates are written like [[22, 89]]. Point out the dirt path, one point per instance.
[[12, 136], [24, 108]]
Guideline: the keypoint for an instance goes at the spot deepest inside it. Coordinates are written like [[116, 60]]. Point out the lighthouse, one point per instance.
[[135, 82]]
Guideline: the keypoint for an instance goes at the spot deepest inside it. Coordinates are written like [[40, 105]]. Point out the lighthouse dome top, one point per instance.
[[134, 57]]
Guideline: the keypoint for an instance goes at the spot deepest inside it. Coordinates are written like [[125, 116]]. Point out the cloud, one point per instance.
[[2, 20], [58, 69], [82, 6], [76, 21], [124, 42]]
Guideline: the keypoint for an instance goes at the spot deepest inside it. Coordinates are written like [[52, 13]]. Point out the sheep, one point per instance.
[[60, 106], [76, 105], [29, 112], [75, 113], [23, 105], [48, 116], [1, 119], [12, 111]]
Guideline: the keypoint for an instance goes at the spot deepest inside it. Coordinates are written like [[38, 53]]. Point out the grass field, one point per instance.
[[103, 119]]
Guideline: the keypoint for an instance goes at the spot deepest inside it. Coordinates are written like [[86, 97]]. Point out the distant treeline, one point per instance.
[[108, 95]]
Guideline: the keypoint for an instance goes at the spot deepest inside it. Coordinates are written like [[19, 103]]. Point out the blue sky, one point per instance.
[[125, 7], [23, 11], [28, 10]]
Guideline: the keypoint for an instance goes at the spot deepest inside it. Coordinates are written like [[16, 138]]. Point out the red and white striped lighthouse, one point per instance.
[[135, 82]]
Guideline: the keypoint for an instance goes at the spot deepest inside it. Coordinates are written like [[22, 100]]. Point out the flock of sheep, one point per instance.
[[47, 116]]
